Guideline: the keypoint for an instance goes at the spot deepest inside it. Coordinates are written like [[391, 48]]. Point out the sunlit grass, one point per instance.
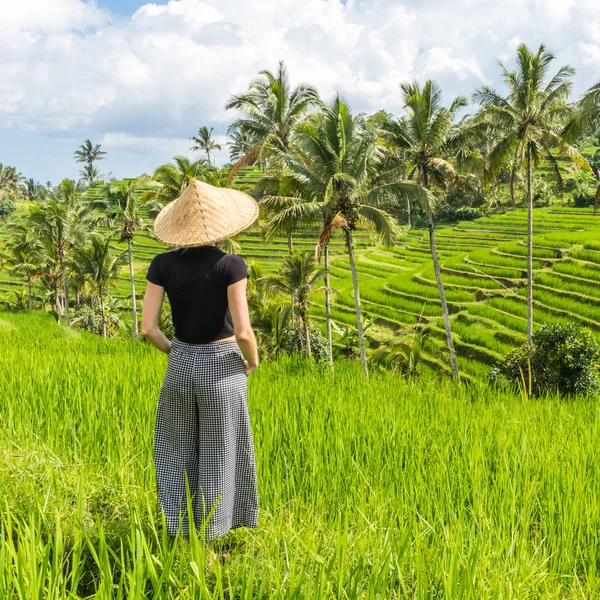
[[427, 491]]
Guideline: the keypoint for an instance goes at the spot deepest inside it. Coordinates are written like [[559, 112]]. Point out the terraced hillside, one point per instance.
[[484, 264]]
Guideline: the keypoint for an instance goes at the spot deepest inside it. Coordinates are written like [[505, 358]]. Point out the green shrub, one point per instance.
[[562, 358], [583, 199], [292, 343], [6, 206]]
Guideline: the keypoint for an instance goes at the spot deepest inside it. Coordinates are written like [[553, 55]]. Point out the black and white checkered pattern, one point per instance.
[[203, 429]]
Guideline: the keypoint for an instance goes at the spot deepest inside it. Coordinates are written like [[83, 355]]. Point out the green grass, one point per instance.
[[428, 491]]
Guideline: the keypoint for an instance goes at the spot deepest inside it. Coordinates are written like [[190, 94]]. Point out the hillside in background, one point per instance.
[[484, 265]]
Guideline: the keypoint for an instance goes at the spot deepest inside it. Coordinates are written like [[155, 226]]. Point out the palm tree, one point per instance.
[[205, 142], [269, 316], [89, 154], [122, 203], [99, 266], [527, 125], [587, 119], [32, 190], [59, 223], [241, 143], [90, 174], [333, 169], [68, 192], [426, 139], [24, 255], [9, 179], [172, 178], [297, 277], [272, 111]]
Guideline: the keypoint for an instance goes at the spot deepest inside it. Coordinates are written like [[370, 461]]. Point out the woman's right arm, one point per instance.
[[240, 316], [153, 300]]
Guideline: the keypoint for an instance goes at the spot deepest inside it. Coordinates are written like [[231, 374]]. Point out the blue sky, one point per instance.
[[142, 85], [125, 7]]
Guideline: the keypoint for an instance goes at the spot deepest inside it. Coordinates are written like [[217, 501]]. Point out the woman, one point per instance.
[[203, 436]]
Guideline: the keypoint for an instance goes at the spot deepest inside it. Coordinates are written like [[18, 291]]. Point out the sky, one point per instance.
[[141, 78]]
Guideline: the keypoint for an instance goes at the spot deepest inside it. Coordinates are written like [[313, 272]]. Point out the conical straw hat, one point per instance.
[[204, 214]]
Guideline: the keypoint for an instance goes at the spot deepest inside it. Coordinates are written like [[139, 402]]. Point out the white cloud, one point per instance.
[[144, 84]]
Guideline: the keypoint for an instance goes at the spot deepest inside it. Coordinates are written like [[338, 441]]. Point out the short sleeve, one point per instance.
[[235, 269], [154, 274]]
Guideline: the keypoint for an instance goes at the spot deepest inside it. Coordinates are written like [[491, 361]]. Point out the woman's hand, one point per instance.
[[249, 368], [153, 300]]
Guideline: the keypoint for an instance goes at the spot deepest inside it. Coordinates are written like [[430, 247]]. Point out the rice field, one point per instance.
[[430, 490], [484, 267]]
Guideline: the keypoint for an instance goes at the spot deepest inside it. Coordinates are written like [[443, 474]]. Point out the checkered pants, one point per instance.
[[203, 432]]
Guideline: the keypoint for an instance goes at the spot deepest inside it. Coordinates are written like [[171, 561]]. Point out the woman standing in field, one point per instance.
[[203, 434]]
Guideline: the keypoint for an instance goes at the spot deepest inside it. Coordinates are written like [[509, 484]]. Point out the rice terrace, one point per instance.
[[424, 287]]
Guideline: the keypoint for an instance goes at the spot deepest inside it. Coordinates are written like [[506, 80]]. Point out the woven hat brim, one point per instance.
[[239, 212]]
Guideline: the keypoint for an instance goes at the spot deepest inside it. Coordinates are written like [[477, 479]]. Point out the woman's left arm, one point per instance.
[[153, 300]]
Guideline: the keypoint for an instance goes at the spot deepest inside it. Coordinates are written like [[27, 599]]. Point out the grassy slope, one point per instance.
[[429, 491]]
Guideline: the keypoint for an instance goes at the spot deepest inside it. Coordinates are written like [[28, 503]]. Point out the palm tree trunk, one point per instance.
[[133, 302], [529, 250], [328, 307], [359, 325], [57, 301], [306, 334], [291, 250], [408, 210], [597, 201], [208, 156], [103, 315], [512, 183], [442, 293], [66, 292], [29, 297]]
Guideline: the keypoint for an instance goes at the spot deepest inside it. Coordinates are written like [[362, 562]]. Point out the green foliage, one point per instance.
[[7, 206], [89, 316], [15, 301], [562, 358], [293, 341]]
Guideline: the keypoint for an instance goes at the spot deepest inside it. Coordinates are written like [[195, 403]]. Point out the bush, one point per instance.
[[89, 316], [562, 358], [6, 206], [292, 343], [583, 200]]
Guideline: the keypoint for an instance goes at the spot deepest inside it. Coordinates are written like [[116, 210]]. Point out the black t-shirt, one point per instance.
[[195, 280]]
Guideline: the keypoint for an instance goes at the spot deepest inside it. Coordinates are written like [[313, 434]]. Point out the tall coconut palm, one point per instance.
[[528, 124], [172, 178], [272, 111], [96, 263], [427, 138], [298, 276], [89, 153], [122, 203], [333, 169], [204, 142]]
